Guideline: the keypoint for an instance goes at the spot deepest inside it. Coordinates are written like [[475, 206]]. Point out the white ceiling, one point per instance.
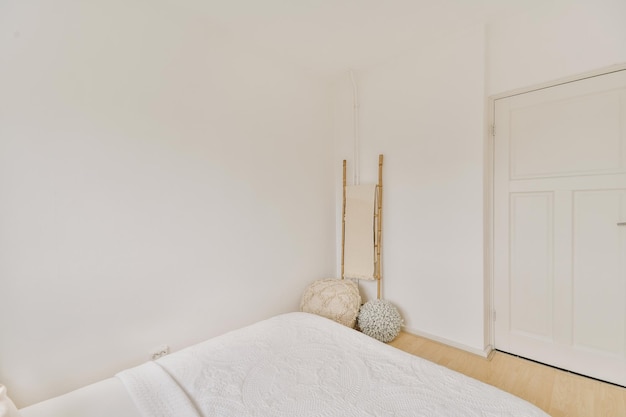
[[331, 36]]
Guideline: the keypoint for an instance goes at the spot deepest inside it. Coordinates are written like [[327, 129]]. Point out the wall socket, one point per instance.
[[159, 352]]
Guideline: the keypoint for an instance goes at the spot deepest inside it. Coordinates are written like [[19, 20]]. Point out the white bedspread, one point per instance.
[[298, 365]]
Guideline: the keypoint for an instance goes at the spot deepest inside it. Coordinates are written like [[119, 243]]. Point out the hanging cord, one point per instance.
[[355, 131], [355, 121]]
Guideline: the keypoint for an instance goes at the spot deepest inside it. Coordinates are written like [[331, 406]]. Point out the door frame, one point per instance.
[[488, 194]]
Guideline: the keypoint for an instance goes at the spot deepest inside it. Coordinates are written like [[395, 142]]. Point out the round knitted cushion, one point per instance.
[[380, 320], [335, 299]]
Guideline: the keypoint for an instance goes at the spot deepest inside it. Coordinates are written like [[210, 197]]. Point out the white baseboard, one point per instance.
[[483, 353]]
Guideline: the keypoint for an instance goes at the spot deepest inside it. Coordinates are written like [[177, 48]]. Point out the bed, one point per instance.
[[296, 364]]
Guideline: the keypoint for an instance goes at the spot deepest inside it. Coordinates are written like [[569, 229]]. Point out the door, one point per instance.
[[560, 226]]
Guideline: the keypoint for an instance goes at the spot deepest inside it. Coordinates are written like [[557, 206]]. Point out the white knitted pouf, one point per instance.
[[380, 319], [335, 299]]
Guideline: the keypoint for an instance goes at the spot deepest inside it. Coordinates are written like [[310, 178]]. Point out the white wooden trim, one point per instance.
[[564, 80], [488, 237]]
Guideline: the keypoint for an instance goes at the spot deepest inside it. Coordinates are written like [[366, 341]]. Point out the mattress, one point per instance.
[[107, 398], [299, 364]]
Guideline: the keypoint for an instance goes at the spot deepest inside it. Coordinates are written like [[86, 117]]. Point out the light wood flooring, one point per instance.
[[557, 392]]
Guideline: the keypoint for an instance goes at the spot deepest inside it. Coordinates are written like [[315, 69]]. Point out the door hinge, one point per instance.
[[493, 130], [494, 315]]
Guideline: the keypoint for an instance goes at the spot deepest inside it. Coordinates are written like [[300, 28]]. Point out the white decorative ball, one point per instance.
[[380, 319]]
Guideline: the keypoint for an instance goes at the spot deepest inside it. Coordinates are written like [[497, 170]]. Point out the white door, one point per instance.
[[560, 226]]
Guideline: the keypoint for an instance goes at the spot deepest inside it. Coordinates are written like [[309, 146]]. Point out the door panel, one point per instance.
[[559, 253], [598, 273], [583, 131], [531, 263]]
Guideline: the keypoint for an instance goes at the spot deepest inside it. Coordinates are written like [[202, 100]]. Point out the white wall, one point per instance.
[[160, 182], [560, 39], [424, 112]]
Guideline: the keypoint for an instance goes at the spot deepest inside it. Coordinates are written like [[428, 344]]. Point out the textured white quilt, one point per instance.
[[297, 365]]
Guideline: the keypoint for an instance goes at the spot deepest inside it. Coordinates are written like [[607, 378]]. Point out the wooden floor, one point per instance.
[[557, 392]]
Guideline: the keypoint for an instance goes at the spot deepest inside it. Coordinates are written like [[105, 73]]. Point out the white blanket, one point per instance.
[[155, 393], [299, 365]]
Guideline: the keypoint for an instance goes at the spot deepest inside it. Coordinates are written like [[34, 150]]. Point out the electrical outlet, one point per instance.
[[159, 352]]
